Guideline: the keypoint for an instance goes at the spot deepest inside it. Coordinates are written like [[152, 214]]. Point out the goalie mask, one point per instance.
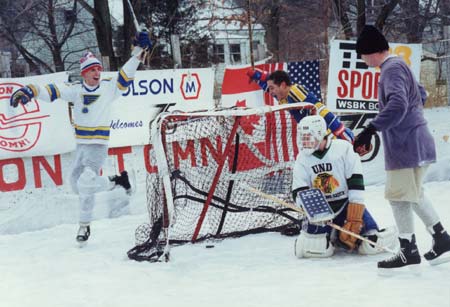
[[311, 131]]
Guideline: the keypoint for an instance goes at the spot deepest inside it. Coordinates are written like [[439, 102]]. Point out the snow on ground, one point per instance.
[[46, 268]]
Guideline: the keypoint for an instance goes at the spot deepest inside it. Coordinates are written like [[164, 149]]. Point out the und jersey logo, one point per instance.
[[324, 181]]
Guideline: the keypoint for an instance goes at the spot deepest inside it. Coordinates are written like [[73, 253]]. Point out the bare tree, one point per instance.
[[41, 31], [103, 29]]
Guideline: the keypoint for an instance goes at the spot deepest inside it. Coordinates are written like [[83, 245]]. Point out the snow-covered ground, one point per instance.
[[45, 267]]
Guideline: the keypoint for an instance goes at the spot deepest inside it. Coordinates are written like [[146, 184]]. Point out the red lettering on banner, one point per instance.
[[205, 143], [370, 85], [178, 152], [349, 83], [21, 181], [148, 166], [355, 82], [342, 91], [55, 175], [375, 85], [120, 152]]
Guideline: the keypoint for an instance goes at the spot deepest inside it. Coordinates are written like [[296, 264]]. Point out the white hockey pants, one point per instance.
[[85, 178]]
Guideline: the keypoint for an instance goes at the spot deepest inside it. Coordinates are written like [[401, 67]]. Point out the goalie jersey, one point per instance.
[[336, 171], [92, 105]]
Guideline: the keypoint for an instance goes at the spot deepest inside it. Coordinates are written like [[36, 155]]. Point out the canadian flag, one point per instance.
[[237, 90]]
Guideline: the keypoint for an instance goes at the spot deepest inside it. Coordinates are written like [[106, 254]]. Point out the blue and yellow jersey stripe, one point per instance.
[[123, 81], [101, 132], [53, 91], [34, 89]]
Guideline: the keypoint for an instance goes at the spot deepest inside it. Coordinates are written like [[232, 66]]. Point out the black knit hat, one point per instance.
[[371, 41]]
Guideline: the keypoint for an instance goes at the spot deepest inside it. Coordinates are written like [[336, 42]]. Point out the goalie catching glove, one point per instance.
[[353, 223], [22, 95]]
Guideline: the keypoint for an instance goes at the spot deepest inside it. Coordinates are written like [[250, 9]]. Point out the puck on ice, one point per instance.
[[209, 246]]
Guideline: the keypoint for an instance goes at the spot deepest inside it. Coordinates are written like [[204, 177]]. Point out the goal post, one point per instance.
[[202, 164]]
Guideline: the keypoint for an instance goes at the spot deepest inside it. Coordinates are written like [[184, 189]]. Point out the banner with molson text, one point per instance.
[[41, 128], [352, 85]]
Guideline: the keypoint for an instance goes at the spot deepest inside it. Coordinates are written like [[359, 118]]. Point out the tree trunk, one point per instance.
[[384, 14], [342, 9], [273, 31], [361, 21], [128, 30], [103, 30], [447, 58]]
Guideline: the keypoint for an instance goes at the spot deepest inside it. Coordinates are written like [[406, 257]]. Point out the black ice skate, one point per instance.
[[407, 257], [440, 251], [83, 234], [123, 181]]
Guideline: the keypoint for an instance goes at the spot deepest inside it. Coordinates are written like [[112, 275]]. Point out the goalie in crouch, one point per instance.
[[332, 166]]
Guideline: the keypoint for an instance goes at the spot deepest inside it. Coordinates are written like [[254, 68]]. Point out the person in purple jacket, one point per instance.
[[408, 150]]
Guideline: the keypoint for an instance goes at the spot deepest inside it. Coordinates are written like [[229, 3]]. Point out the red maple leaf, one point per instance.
[[248, 123]]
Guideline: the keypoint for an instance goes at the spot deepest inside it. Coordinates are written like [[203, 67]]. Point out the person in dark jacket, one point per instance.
[[408, 150]]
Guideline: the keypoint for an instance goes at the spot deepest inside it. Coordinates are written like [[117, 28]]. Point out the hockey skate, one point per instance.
[[440, 251], [408, 257], [124, 181], [83, 234]]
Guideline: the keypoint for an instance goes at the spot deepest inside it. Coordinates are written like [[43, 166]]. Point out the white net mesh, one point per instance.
[[211, 159]]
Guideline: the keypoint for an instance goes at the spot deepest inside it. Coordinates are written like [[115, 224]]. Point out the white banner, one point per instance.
[[352, 86], [41, 128], [154, 91], [37, 128]]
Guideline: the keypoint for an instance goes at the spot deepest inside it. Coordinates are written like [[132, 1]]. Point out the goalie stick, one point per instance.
[[329, 223]]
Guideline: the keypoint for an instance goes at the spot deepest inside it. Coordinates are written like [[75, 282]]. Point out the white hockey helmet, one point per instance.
[[310, 132]]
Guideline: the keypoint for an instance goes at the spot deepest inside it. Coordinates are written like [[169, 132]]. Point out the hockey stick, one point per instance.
[[329, 223], [135, 21], [139, 28]]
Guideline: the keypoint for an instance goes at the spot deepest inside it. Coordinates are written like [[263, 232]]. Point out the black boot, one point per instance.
[[407, 256], [83, 233], [123, 181], [440, 251]]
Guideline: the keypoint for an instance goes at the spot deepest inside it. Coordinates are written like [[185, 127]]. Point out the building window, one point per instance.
[[235, 53], [219, 53]]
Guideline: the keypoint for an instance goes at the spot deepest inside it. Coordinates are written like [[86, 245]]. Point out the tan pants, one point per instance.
[[405, 184]]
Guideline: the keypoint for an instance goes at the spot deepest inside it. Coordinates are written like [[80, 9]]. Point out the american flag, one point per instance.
[[306, 73]]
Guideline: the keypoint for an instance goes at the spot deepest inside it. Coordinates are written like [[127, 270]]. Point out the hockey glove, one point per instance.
[[257, 75], [142, 39], [22, 95], [353, 223], [362, 144]]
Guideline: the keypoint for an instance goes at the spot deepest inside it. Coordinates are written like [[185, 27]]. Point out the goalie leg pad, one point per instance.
[[313, 245], [387, 237]]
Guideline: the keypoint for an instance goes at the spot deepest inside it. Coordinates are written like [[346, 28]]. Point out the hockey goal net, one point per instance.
[[204, 164]]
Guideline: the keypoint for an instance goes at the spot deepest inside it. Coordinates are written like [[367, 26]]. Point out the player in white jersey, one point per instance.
[[332, 166], [92, 101]]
